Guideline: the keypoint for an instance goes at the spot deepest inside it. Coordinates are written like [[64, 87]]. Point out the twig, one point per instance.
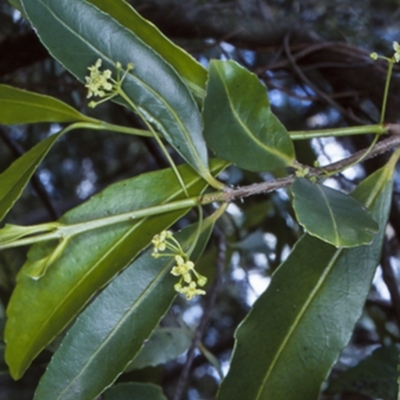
[[383, 146], [212, 296]]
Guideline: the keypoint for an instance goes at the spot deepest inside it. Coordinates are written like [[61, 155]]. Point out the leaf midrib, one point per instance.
[[332, 216]]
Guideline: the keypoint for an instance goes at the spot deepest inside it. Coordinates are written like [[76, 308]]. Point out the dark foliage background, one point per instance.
[[313, 56]]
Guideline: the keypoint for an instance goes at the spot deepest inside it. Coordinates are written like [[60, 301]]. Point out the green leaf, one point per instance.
[[296, 330], [375, 376], [118, 322], [193, 73], [238, 122], [165, 344], [23, 107], [134, 391], [77, 34], [332, 216], [15, 178], [39, 310]]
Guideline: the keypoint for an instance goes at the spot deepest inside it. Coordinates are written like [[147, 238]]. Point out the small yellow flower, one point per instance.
[[160, 242], [183, 269], [190, 291], [98, 82], [396, 48]]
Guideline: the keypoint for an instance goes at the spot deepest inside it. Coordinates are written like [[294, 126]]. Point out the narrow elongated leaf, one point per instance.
[[134, 391], [78, 33], [193, 73], [295, 331], [238, 122], [23, 107], [112, 330], [39, 310], [15, 178], [332, 216], [165, 344]]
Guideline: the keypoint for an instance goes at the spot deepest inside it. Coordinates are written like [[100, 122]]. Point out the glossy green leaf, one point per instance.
[[165, 344], [15, 178], [296, 330], [375, 376], [134, 391], [78, 33], [238, 122], [23, 107], [193, 73], [332, 216], [39, 310], [111, 331]]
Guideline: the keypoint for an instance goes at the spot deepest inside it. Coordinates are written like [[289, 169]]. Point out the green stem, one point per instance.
[[156, 137], [123, 129], [352, 130], [57, 231], [198, 231], [99, 125], [68, 231], [386, 91]]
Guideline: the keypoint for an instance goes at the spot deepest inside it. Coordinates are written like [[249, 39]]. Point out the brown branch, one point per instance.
[[231, 194]]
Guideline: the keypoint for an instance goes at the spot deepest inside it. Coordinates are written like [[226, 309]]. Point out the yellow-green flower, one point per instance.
[[98, 82], [396, 48], [183, 269], [160, 242], [189, 291]]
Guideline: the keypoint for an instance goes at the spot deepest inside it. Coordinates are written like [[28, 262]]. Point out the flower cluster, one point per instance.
[[101, 84], [190, 279], [98, 82]]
